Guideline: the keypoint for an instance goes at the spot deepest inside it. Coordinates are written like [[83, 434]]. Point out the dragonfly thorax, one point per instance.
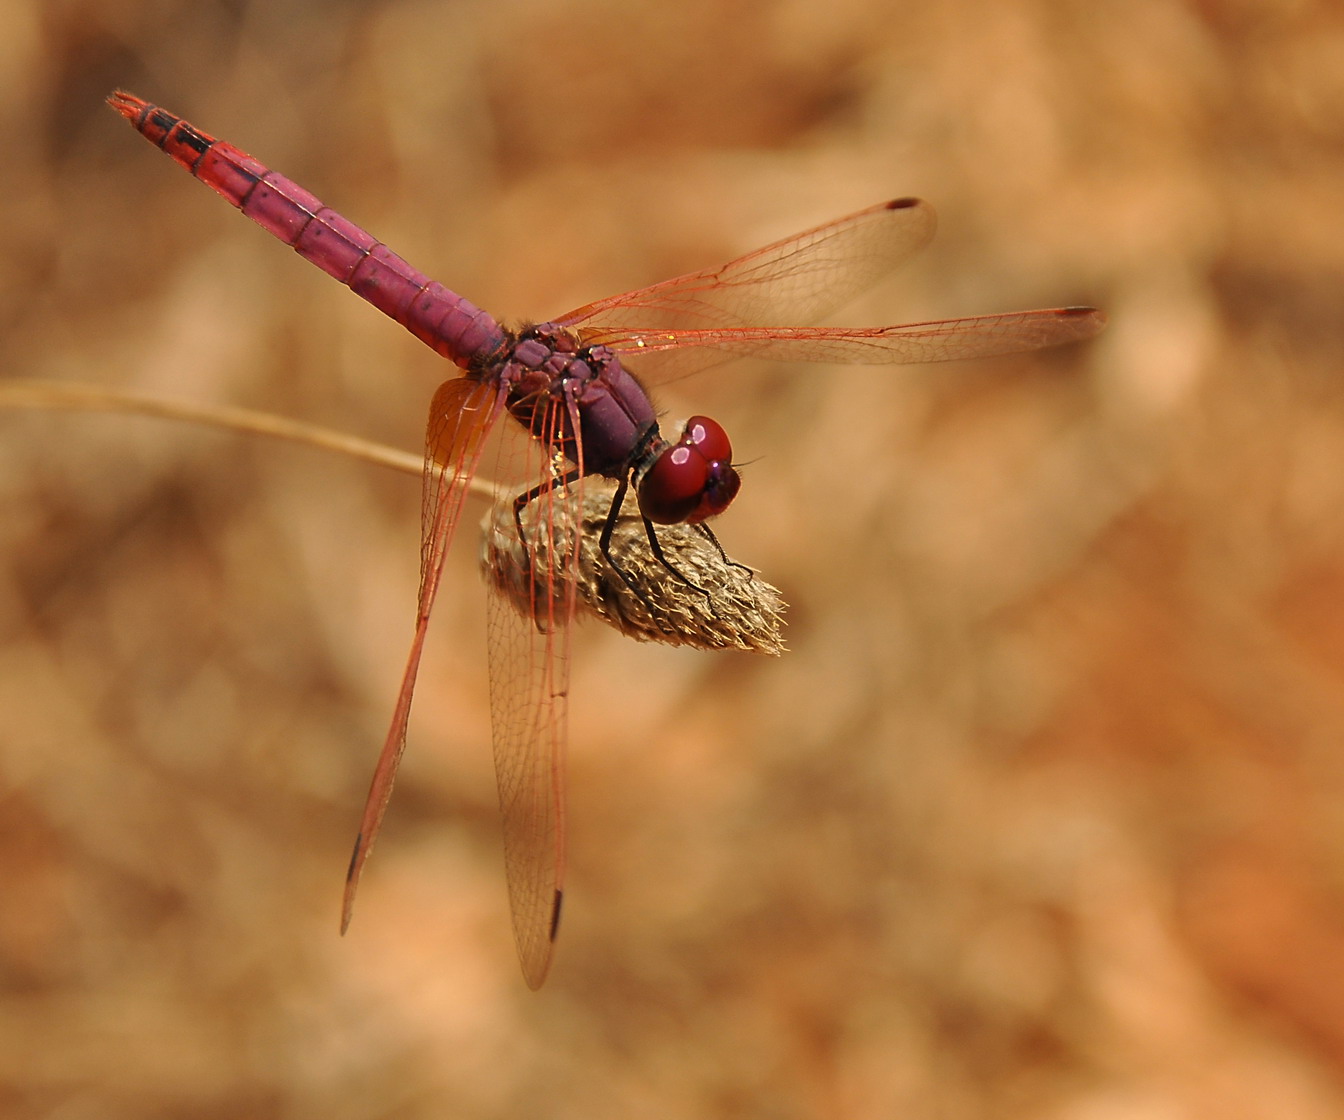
[[584, 403], [579, 400]]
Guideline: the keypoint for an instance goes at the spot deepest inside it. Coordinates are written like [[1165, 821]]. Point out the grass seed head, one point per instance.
[[736, 609]]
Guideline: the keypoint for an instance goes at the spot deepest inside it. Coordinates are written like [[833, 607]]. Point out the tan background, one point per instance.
[[1043, 815]]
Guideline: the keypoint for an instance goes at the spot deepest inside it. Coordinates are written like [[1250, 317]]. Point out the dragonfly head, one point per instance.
[[690, 480]]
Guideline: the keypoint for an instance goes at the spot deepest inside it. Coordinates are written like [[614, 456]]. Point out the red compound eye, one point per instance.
[[708, 437], [692, 480], [671, 488]]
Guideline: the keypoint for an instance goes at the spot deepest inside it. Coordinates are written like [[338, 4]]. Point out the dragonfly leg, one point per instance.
[[528, 496], [657, 550], [604, 543], [708, 533], [604, 546]]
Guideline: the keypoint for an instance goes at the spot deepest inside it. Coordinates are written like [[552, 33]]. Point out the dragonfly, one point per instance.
[[563, 390]]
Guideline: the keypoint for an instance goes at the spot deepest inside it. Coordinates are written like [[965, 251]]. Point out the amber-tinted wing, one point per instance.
[[982, 336], [528, 643], [460, 416], [752, 305], [796, 280]]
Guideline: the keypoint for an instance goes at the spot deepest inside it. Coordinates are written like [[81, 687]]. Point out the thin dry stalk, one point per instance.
[[735, 610]]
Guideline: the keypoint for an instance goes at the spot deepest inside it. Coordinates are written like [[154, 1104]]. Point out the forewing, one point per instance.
[[529, 687], [797, 280], [982, 336], [461, 415]]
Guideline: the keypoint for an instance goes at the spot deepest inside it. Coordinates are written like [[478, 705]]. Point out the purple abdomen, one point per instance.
[[440, 318]]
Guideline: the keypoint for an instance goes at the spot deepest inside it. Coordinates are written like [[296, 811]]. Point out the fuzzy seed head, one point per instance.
[[735, 609]]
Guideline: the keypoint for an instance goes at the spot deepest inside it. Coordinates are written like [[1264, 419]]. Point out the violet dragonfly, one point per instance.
[[566, 384]]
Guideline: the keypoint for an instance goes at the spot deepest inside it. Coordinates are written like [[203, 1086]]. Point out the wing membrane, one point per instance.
[[528, 643], [797, 280], [461, 415], [981, 336]]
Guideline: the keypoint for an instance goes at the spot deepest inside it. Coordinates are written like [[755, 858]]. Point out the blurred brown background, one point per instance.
[[1043, 815]]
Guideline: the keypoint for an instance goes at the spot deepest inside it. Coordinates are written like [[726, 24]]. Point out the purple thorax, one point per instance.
[[554, 383]]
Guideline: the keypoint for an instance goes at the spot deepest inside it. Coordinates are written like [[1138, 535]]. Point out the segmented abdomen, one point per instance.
[[437, 316]]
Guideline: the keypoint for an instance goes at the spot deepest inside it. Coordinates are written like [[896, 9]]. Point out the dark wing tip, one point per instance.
[[555, 912], [904, 203], [354, 858], [1089, 318], [351, 876]]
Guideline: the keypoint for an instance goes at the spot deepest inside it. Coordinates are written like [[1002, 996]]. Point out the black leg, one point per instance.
[[657, 550], [604, 543], [604, 546], [609, 527], [708, 533], [532, 495]]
